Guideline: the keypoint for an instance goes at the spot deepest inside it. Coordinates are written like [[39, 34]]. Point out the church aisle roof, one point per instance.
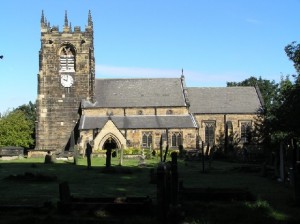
[[223, 100], [148, 92], [138, 122]]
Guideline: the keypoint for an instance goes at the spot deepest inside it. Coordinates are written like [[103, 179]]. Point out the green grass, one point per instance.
[[275, 200], [82, 182]]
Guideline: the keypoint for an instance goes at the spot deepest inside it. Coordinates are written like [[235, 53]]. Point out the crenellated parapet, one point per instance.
[[67, 28]]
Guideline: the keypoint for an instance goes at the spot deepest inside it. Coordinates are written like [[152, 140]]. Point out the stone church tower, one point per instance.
[[66, 76]]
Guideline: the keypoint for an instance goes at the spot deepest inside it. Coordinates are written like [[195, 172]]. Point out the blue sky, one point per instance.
[[214, 41]]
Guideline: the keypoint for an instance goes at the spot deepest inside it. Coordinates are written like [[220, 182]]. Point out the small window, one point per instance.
[[169, 112], [110, 113], [147, 139], [229, 131]]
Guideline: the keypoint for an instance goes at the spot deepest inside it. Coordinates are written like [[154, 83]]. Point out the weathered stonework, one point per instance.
[[58, 105], [220, 121]]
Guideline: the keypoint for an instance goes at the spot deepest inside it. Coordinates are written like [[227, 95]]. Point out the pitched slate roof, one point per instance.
[[151, 92], [223, 100], [138, 122]]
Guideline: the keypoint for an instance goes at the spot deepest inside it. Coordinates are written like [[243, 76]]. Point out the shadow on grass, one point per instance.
[[132, 180], [20, 181]]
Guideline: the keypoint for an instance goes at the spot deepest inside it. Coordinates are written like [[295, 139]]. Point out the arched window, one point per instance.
[[67, 59], [229, 131], [209, 132], [173, 143], [179, 139], [147, 139], [245, 131], [176, 139]]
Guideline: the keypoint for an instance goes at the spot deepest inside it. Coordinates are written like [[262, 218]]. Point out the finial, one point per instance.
[[90, 21], [182, 76], [70, 26], [42, 17], [66, 19]]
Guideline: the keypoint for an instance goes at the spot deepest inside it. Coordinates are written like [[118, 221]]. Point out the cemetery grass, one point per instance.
[[274, 204]]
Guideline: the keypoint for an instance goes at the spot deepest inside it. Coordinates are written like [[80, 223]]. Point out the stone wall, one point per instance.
[[220, 120], [57, 106]]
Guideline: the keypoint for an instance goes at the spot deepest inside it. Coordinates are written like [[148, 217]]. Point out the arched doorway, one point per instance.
[[109, 145]]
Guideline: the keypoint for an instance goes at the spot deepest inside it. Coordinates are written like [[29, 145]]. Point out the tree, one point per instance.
[[15, 129], [29, 111], [293, 52], [289, 109], [263, 129]]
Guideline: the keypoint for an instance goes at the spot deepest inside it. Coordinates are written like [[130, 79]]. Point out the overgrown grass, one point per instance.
[[275, 200]]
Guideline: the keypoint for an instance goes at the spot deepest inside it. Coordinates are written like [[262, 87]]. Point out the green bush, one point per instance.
[[157, 152], [132, 151]]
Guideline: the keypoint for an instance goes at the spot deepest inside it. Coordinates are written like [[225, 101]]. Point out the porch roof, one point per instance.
[[138, 122]]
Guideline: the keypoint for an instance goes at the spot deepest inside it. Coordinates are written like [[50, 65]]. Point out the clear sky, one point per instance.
[[214, 41]]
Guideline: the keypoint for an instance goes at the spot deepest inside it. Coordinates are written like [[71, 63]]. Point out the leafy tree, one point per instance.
[[289, 110], [293, 52], [267, 128], [15, 129], [29, 111]]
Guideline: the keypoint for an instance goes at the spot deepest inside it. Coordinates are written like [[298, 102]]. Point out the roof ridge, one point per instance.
[[135, 78]]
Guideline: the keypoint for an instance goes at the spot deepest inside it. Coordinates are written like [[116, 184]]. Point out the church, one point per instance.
[[74, 107]]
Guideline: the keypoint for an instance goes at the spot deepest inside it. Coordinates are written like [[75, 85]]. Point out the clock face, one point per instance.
[[66, 80]]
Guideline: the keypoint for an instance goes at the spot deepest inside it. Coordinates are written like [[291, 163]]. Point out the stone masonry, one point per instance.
[[58, 103]]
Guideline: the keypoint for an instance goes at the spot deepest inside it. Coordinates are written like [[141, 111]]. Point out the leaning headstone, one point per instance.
[[48, 158]]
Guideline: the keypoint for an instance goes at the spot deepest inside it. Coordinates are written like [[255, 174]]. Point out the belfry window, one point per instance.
[[67, 59], [147, 139]]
